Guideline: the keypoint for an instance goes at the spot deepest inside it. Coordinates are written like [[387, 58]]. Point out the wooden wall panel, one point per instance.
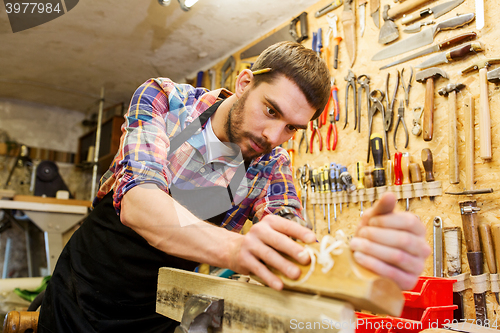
[[352, 146]]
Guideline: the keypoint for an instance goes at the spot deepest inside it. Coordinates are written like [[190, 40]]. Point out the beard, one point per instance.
[[234, 127]]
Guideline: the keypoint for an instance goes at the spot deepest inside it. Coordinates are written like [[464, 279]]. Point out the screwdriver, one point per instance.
[[326, 184], [313, 175], [333, 188], [416, 178], [360, 175], [338, 184], [427, 161], [378, 155], [398, 174], [405, 169]]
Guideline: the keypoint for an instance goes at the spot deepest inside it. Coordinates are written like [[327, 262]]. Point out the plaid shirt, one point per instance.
[[159, 110]]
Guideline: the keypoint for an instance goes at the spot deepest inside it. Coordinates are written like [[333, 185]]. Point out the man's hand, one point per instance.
[[391, 244], [263, 242]]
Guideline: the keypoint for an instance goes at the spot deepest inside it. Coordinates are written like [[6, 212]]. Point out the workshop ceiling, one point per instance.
[[120, 44]]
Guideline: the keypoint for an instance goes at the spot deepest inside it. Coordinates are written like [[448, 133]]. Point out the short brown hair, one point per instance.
[[299, 64]]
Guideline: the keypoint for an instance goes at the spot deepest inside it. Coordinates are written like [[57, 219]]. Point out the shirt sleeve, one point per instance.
[[144, 144], [280, 191]]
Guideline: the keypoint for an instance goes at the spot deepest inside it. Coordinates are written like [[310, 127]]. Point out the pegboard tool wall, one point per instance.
[[352, 146]]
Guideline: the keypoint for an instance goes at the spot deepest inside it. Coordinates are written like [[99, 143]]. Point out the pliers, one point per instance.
[[351, 83], [406, 88], [376, 97], [315, 130], [389, 114], [364, 84], [334, 116], [401, 118], [303, 138]]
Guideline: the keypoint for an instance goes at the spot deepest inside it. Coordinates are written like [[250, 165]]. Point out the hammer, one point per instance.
[[451, 91], [428, 76], [484, 105]]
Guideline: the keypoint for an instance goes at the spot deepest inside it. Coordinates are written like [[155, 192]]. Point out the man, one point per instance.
[[105, 279]]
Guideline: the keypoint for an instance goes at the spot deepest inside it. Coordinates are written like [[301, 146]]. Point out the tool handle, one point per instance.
[[407, 19], [415, 173], [470, 226], [405, 168], [487, 243], [453, 139], [429, 109], [484, 116], [404, 8], [462, 51], [360, 174], [398, 175], [456, 40], [389, 168], [336, 52], [428, 163], [469, 144], [368, 179], [453, 250], [495, 233], [455, 22], [336, 102], [377, 145]]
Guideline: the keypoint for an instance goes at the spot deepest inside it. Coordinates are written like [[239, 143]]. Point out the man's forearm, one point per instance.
[[171, 228]]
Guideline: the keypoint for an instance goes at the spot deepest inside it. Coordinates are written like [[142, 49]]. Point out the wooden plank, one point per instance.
[[31, 198], [253, 308], [43, 207], [348, 281]]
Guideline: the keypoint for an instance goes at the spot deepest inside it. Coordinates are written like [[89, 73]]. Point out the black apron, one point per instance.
[[106, 277]]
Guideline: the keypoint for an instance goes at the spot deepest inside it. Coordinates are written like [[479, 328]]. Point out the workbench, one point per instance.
[[53, 216]]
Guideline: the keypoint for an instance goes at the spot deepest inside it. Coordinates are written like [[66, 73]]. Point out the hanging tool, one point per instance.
[[351, 84], [495, 233], [437, 11], [405, 169], [349, 24], [321, 187], [389, 111], [303, 138], [452, 55], [333, 116], [378, 157], [226, 71], [398, 173], [424, 37], [315, 132], [428, 163], [487, 246], [468, 210], [437, 47], [326, 183], [415, 27], [438, 246], [389, 30], [328, 38], [376, 98], [451, 91], [428, 76], [328, 8], [313, 181], [401, 118], [338, 184], [484, 106], [302, 179], [453, 250], [469, 152], [416, 175], [346, 179], [407, 87], [417, 114], [332, 24], [364, 85], [374, 12], [362, 15], [368, 181], [360, 175], [333, 188]]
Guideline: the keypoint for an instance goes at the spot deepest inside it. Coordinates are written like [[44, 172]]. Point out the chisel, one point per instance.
[[487, 243]]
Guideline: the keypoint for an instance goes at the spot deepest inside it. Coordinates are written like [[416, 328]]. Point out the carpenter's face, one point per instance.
[[266, 116]]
